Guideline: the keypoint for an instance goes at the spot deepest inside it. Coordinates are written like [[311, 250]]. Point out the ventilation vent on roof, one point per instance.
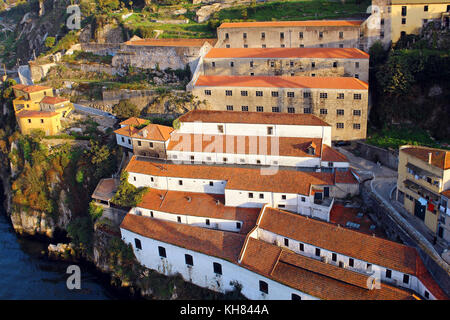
[[188, 199]]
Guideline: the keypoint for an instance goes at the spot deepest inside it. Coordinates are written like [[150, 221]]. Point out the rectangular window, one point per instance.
[[244, 35], [340, 112], [323, 111], [339, 125], [323, 95], [274, 93], [281, 35], [259, 109], [357, 126], [317, 252], [357, 96], [162, 252], [269, 130], [244, 93], [238, 225], [357, 113], [139, 143], [272, 64], [425, 8], [213, 64], [261, 195], [207, 222], [211, 183], [275, 109], [232, 64], [244, 108], [301, 247], [313, 64], [300, 35], [180, 182], [341, 35], [286, 242], [335, 64], [229, 108], [291, 110], [263, 287], [151, 144], [263, 46], [179, 219], [406, 278], [259, 93], [188, 259], [356, 65], [334, 257], [307, 110], [306, 94], [227, 36], [251, 64], [137, 244], [283, 196], [403, 20], [388, 273], [228, 92], [217, 267], [340, 96], [207, 92], [220, 128], [290, 94], [320, 35], [351, 262], [263, 35], [250, 195]]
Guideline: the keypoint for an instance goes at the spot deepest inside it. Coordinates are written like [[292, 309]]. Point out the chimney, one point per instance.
[[429, 157], [144, 133]]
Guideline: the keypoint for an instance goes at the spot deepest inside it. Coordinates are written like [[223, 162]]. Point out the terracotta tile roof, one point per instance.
[[30, 88], [36, 114], [221, 244], [170, 42], [152, 131], [261, 145], [199, 205], [321, 53], [344, 177], [134, 121], [446, 193], [53, 100], [252, 118], [440, 158], [238, 178], [307, 23], [330, 154], [325, 235], [282, 82], [312, 277]]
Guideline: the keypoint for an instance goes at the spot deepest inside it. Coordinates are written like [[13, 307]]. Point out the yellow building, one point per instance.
[[423, 173], [29, 97], [37, 108], [47, 121], [408, 16]]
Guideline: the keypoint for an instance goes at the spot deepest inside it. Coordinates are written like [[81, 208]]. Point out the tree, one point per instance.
[[128, 195], [125, 109], [50, 42]]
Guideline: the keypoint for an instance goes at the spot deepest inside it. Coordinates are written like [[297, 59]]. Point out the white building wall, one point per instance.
[[124, 141], [240, 198], [202, 273]]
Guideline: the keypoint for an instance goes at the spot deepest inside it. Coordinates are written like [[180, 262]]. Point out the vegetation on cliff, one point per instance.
[[128, 195]]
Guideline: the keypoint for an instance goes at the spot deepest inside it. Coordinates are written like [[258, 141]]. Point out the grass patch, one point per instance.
[[396, 136]]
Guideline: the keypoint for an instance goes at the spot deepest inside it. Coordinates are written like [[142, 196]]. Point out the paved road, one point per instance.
[[93, 111]]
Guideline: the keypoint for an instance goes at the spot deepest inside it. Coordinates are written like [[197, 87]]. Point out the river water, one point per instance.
[[25, 273]]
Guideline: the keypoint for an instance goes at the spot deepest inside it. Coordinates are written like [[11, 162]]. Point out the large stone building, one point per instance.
[[423, 174], [320, 62], [291, 34], [401, 17], [340, 101]]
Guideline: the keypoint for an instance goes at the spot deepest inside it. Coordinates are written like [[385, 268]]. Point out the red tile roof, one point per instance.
[[170, 42], [439, 157], [238, 178], [282, 82], [212, 116], [330, 154], [53, 100], [344, 177], [260, 145], [36, 114], [321, 53], [354, 244], [313, 277], [446, 193], [199, 205], [307, 23], [134, 121], [216, 243], [30, 88], [152, 131]]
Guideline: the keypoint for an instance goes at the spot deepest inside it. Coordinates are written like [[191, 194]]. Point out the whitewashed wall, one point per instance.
[[202, 273], [124, 141]]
